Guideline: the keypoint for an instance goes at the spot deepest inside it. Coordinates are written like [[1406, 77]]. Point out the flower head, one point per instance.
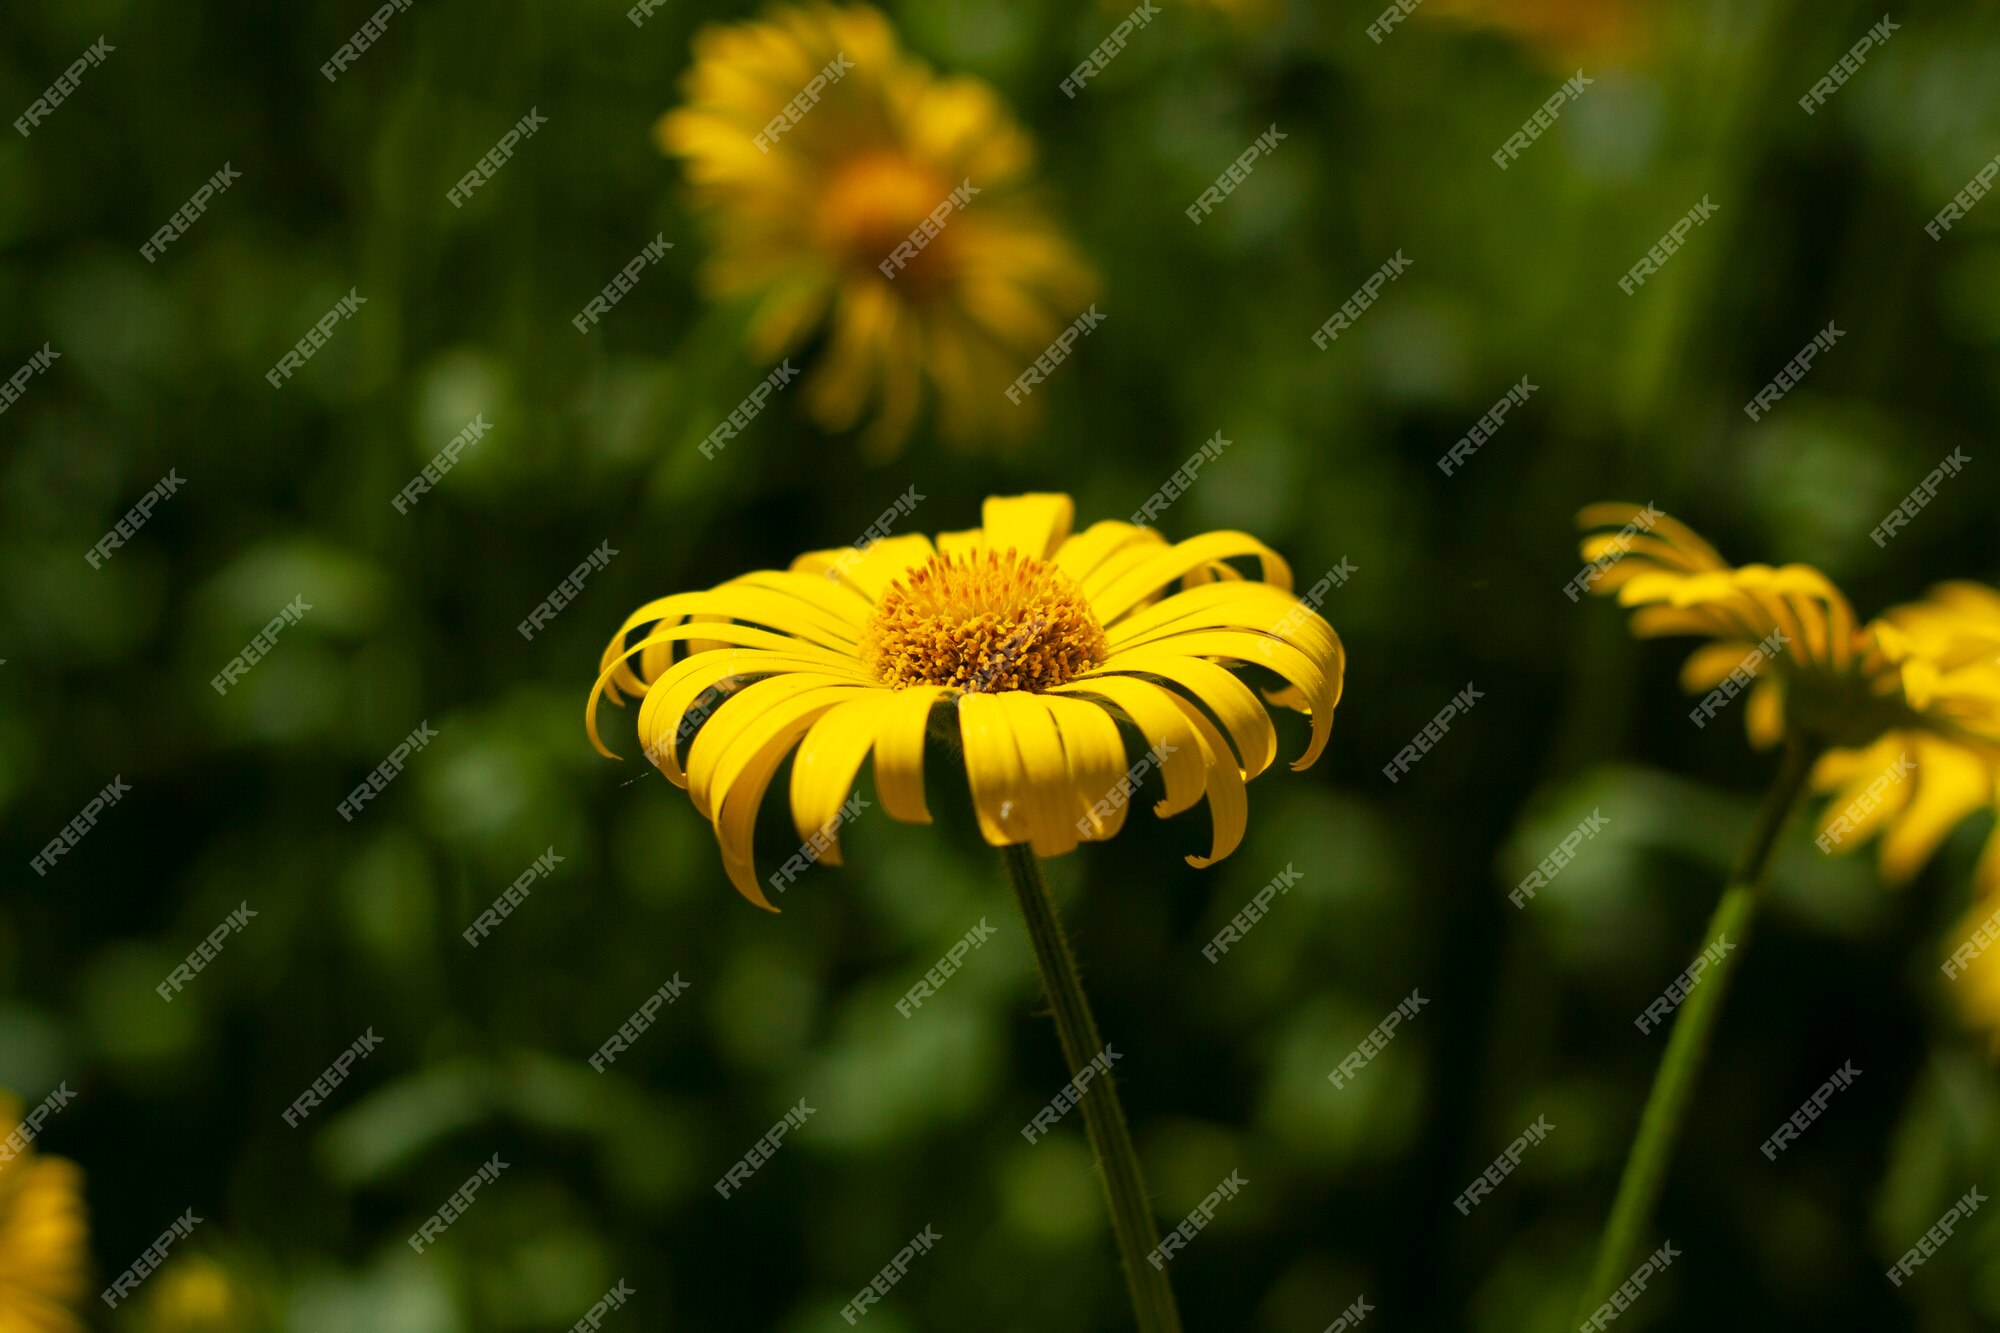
[[1048, 645], [1904, 711], [855, 191], [42, 1238]]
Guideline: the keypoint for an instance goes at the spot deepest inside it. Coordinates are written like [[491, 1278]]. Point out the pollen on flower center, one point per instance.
[[984, 622]]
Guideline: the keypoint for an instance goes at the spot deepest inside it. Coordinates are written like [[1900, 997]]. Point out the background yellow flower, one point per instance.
[[819, 148], [43, 1238]]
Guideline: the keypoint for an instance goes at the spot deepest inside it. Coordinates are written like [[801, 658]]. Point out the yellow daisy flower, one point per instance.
[[854, 191], [1786, 635], [43, 1238], [1043, 640]]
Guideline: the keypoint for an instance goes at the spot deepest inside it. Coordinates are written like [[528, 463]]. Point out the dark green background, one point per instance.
[[1819, 218]]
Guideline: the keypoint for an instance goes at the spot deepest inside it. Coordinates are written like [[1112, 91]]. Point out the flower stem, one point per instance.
[[1103, 1117], [1687, 1047]]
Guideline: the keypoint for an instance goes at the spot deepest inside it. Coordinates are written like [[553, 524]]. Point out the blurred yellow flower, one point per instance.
[[43, 1238], [853, 191], [1044, 640], [1904, 711], [196, 1294], [1787, 635]]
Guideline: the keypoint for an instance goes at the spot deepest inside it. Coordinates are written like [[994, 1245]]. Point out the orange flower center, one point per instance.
[[874, 204], [984, 622]]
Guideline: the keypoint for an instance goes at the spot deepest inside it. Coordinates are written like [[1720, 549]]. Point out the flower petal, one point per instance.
[[1034, 524]]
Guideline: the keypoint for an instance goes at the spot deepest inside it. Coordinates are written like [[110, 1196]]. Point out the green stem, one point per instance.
[[1103, 1118], [1687, 1047]]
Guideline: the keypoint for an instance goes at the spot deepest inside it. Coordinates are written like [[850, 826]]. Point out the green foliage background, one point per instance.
[[1404, 886]]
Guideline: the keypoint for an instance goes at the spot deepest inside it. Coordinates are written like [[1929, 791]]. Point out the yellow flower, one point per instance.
[[1790, 630], [1913, 784], [1904, 710], [824, 154], [1044, 641], [43, 1239]]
